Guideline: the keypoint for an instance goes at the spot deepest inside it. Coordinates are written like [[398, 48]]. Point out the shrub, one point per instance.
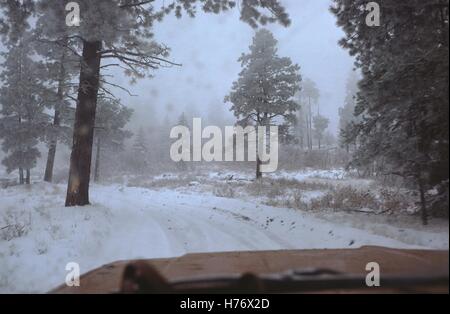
[[224, 190], [13, 226], [346, 198]]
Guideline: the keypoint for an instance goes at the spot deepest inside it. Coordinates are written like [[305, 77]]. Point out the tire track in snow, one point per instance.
[[154, 230], [198, 228], [254, 223], [159, 214], [262, 238]]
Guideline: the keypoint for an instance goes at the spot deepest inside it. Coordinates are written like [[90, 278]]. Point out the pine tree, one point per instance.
[[109, 136], [309, 97], [347, 112], [162, 135], [301, 126], [14, 21], [264, 93], [140, 159], [320, 125], [22, 99], [62, 64], [182, 121]]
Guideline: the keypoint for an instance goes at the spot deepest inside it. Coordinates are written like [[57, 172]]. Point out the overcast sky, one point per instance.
[[209, 46]]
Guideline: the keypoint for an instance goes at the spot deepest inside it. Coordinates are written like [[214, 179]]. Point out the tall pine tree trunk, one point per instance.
[[48, 176], [27, 178], [310, 134], [307, 131], [21, 177], [97, 161], [258, 168], [83, 134], [423, 203], [258, 147], [261, 142], [258, 160]]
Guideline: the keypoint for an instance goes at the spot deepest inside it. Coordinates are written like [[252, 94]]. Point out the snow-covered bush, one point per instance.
[[345, 198], [224, 190], [14, 225], [394, 201], [276, 187]]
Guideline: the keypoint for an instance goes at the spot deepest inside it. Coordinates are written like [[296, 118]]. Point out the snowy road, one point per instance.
[[128, 223], [188, 223]]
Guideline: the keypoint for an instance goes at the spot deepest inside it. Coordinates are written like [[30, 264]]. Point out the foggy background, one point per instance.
[[208, 48]]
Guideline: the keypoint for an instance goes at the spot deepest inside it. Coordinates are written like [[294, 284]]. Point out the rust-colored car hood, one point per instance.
[[393, 262]]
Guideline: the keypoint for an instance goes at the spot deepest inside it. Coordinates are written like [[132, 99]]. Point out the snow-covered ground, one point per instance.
[[39, 236]]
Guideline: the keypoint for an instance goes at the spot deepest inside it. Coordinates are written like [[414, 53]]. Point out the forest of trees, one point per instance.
[[94, 41], [402, 107]]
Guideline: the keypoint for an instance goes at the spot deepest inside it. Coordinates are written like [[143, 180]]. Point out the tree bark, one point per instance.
[[28, 179], [264, 121], [48, 176], [258, 168], [423, 201], [258, 160], [310, 133], [97, 161], [83, 134], [21, 177]]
